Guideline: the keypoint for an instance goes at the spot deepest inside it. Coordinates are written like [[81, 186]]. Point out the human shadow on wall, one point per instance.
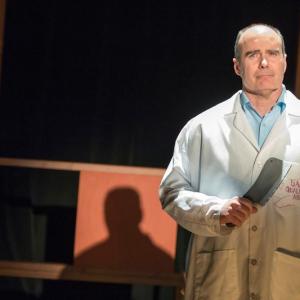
[[126, 248]]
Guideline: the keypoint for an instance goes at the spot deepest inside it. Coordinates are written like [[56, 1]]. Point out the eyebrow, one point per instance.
[[251, 52], [275, 50]]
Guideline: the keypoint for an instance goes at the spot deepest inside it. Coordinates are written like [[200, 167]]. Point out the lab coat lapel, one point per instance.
[[290, 117], [292, 110], [241, 123]]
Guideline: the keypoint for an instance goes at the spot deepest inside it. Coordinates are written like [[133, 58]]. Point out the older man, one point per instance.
[[218, 155]]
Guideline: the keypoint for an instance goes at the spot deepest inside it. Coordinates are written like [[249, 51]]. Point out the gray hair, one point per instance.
[[237, 48]]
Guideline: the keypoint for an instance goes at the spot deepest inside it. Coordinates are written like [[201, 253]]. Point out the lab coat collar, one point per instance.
[[292, 109], [240, 122], [237, 117]]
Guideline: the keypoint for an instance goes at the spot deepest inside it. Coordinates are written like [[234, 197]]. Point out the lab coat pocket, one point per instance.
[[285, 273], [216, 276]]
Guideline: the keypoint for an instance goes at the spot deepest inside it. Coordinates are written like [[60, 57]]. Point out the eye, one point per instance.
[[253, 54], [274, 53]]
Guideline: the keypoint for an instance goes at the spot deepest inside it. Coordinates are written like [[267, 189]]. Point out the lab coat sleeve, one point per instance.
[[195, 211]]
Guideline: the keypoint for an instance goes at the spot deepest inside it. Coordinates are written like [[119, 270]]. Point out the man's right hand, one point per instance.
[[236, 211]]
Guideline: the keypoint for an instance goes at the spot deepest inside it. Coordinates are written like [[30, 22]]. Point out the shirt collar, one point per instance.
[[280, 102]]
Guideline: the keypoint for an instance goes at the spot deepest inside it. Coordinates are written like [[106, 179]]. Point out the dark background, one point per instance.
[[114, 81], [106, 82]]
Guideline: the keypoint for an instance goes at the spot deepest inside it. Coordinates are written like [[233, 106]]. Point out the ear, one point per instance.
[[236, 66]]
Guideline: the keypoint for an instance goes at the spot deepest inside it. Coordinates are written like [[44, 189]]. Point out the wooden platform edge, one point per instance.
[[59, 271], [78, 166]]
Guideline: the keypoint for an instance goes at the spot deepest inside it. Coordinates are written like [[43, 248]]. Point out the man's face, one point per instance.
[[262, 63]]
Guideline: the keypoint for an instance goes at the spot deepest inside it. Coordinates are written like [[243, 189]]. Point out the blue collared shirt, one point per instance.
[[262, 125]]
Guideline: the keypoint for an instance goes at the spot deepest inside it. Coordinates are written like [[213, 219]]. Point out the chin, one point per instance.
[[269, 85]]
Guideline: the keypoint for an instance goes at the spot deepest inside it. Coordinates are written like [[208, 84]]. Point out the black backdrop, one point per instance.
[[114, 81], [106, 82]]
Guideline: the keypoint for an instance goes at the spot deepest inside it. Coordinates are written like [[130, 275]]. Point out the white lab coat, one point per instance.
[[216, 157]]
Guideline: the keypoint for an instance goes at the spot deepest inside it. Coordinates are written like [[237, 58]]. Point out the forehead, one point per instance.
[[258, 35]]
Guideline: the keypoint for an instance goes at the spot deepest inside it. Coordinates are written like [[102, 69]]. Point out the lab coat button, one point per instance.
[[254, 228], [253, 262], [253, 296]]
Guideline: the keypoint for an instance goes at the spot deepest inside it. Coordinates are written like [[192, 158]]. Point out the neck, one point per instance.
[[263, 101]]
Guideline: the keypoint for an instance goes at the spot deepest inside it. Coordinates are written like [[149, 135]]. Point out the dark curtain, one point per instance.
[[37, 220], [114, 81]]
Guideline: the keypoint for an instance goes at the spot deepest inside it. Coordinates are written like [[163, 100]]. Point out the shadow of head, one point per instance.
[[122, 210], [127, 247]]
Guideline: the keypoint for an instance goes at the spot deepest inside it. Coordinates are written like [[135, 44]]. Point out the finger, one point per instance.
[[240, 209], [238, 213], [254, 209], [241, 216], [231, 219], [246, 203]]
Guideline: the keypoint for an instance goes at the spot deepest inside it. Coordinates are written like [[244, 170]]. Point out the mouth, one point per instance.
[[264, 75]]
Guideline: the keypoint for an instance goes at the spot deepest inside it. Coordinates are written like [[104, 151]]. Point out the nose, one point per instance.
[[263, 63]]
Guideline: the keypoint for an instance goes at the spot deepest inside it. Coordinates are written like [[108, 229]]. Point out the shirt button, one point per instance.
[[253, 296], [253, 261], [254, 228], [259, 164]]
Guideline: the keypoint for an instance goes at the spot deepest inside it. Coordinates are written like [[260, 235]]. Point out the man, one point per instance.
[[217, 157]]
